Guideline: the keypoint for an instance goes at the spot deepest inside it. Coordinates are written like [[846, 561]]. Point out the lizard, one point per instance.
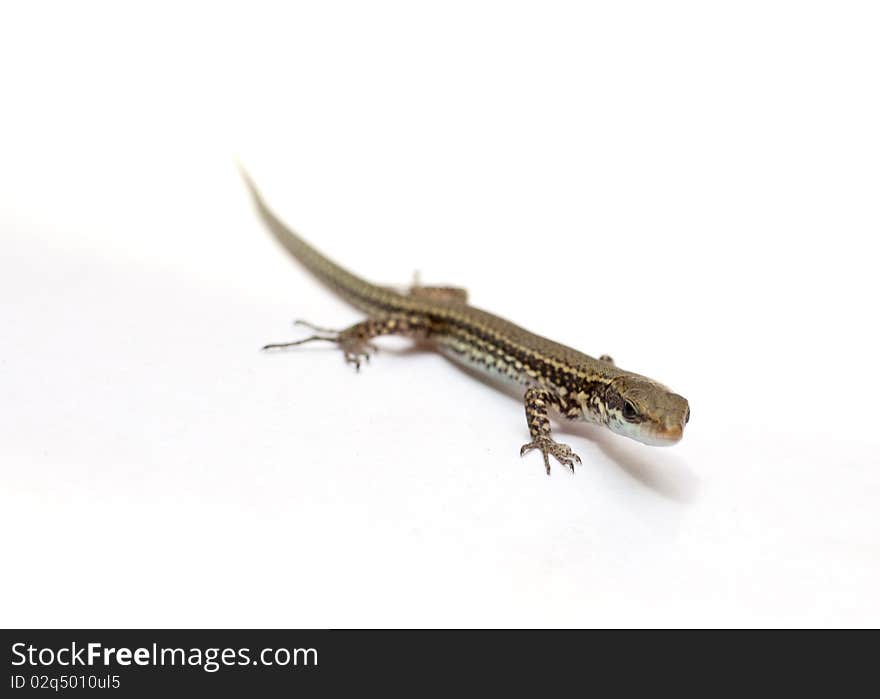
[[554, 378]]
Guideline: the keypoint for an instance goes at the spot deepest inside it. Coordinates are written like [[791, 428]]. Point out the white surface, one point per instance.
[[691, 188]]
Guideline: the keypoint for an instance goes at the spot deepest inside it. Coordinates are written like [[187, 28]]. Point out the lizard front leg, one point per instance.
[[355, 342], [537, 401]]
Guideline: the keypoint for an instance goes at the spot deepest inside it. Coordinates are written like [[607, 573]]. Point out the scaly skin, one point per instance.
[[576, 385]]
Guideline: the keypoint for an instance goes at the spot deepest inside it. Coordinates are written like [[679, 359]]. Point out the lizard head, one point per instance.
[[644, 410]]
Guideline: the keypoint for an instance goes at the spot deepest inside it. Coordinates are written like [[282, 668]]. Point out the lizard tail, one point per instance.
[[357, 291]]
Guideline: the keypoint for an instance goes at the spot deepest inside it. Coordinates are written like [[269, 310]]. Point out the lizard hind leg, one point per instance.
[[454, 294], [451, 294], [354, 341], [537, 401]]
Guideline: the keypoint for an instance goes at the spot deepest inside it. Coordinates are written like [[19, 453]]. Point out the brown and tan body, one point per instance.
[[578, 386]]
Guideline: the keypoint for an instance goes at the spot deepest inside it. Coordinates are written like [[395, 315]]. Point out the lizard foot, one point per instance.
[[561, 452], [354, 341], [356, 351]]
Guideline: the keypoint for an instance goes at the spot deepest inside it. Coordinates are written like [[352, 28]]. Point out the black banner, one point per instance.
[[123, 663]]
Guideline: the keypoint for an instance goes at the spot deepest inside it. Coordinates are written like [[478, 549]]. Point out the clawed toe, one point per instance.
[[561, 452], [354, 341], [358, 355]]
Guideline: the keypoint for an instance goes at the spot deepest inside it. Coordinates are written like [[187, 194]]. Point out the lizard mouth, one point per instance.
[[659, 436], [651, 434], [673, 434], [666, 436]]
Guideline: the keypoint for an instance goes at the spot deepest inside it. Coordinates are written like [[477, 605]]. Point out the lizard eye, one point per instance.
[[629, 411]]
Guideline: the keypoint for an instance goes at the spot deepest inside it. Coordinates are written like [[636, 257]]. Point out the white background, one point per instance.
[[690, 187]]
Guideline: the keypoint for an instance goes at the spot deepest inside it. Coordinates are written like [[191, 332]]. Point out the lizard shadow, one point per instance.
[[665, 474]]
